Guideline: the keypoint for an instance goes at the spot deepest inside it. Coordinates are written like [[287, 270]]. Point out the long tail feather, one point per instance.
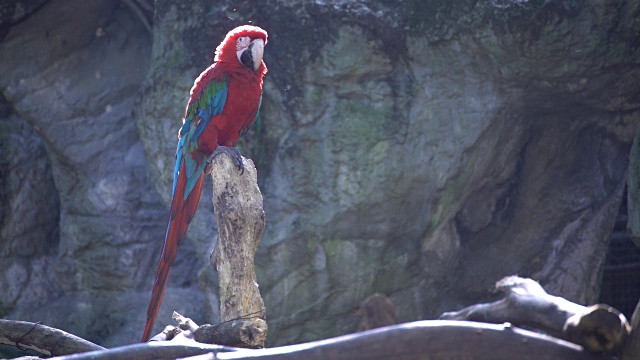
[[180, 216]]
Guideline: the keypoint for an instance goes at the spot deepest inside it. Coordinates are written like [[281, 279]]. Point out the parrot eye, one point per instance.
[[242, 43]]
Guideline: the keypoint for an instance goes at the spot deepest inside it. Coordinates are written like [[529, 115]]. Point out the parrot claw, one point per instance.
[[229, 150]]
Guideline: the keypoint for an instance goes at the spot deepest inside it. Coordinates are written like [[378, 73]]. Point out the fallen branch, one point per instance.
[[43, 339], [150, 351], [230, 333], [417, 340], [599, 328], [184, 331], [236, 333]]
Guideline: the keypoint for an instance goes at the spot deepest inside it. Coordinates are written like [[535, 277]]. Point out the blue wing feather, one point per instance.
[[215, 96], [178, 161], [213, 108]]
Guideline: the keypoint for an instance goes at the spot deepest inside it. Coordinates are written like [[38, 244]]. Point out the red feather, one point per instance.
[[180, 215]]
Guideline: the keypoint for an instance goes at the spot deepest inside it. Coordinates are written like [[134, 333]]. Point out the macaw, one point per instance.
[[224, 102]]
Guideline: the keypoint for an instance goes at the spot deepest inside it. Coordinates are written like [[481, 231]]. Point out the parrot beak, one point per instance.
[[257, 50], [252, 55]]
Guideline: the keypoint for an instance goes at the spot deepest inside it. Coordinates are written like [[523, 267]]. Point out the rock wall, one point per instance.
[[416, 150], [81, 223]]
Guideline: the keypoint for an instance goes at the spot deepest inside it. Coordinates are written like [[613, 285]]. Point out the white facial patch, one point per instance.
[[242, 43]]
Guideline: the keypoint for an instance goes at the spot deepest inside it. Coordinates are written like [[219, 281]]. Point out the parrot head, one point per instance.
[[243, 45]]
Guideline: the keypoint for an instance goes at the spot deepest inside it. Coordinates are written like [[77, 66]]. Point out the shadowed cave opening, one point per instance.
[[620, 285]]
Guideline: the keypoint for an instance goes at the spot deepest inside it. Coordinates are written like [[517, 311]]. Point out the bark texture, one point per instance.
[[43, 339], [598, 328], [410, 341], [241, 222]]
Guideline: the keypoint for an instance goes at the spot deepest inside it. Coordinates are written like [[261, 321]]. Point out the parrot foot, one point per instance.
[[229, 150]]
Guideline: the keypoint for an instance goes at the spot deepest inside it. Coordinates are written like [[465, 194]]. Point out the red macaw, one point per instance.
[[225, 101]]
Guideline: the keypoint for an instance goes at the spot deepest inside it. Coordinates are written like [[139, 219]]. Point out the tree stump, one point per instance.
[[241, 220]]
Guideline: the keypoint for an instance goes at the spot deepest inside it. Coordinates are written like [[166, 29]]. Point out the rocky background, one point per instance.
[[419, 150]]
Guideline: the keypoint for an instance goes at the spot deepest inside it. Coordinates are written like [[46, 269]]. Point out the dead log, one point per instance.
[[599, 328], [427, 340], [409, 341], [231, 333], [154, 350], [241, 221], [43, 339], [238, 333]]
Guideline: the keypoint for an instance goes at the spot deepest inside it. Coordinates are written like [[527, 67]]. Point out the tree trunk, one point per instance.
[[241, 220]]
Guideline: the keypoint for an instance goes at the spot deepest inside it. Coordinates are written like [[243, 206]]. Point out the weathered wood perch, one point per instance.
[[43, 339], [230, 332], [409, 341], [599, 328], [241, 221], [233, 333]]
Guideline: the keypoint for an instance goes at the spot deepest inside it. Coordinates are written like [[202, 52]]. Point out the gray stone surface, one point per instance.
[[29, 232], [633, 195], [419, 150], [81, 225]]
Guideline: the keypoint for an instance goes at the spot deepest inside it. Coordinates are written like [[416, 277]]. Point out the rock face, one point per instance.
[[413, 149], [81, 223]]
